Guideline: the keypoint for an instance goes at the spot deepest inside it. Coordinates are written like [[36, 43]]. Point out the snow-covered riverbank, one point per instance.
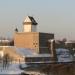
[[11, 69]]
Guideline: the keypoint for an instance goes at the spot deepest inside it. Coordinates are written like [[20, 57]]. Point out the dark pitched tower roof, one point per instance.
[[30, 20]]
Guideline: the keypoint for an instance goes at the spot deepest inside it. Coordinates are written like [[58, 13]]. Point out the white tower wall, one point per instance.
[[30, 24], [27, 28]]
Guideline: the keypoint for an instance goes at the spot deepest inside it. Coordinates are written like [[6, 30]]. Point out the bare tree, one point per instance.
[[6, 60]]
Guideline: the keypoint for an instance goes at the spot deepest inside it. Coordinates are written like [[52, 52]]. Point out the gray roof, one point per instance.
[[32, 20], [25, 51], [63, 55], [30, 53]]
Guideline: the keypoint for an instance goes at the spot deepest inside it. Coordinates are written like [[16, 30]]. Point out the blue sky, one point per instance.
[[53, 16]]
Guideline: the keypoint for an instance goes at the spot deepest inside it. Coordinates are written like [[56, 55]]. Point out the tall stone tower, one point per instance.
[[30, 25]]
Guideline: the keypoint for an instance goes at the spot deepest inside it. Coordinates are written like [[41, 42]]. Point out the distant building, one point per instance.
[[6, 42], [60, 44], [70, 44]]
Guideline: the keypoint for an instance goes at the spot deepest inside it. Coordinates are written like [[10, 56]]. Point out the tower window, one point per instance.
[[35, 44]]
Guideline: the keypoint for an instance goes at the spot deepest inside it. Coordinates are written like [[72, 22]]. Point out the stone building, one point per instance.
[[40, 43], [37, 50], [31, 39]]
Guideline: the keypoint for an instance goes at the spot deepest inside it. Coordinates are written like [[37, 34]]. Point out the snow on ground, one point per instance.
[[12, 69]]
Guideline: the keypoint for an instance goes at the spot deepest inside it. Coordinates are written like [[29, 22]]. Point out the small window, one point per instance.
[[33, 43], [36, 43]]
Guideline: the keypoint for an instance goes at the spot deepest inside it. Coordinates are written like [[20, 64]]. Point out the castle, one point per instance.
[[39, 43], [37, 50], [31, 45]]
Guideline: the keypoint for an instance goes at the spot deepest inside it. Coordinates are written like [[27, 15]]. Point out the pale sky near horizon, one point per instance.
[[53, 16]]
